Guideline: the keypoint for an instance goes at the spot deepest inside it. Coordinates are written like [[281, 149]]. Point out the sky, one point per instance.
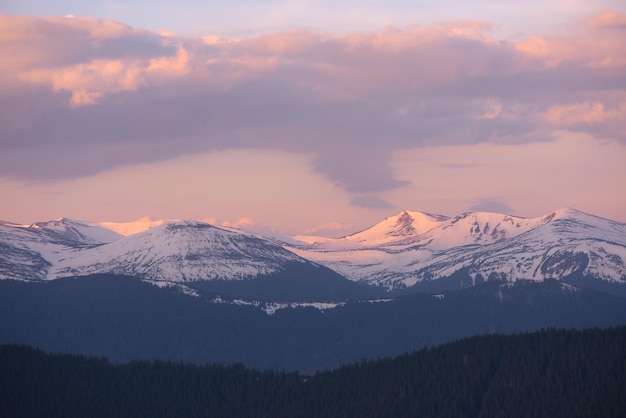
[[310, 117]]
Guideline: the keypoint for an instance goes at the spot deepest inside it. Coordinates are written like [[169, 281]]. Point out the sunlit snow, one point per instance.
[[412, 247], [400, 251]]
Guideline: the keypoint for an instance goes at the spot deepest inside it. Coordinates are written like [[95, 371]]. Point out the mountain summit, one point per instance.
[[403, 226]]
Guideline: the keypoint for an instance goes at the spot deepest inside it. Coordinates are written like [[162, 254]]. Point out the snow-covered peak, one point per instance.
[[69, 231], [180, 251], [478, 228], [29, 251], [483, 244], [573, 215], [400, 226], [568, 213]]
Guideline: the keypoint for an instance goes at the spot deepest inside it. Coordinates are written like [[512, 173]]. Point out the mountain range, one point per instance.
[[410, 250], [419, 249], [193, 292]]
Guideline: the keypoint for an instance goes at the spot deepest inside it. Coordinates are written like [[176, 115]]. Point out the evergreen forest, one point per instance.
[[550, 373]]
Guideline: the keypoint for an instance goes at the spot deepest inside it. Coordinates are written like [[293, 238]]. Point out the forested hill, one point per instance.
[[550, 373]]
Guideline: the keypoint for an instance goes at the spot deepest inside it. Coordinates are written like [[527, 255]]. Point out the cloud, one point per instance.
[[595, 47], [326, 227], [371, 202], [583, 113], [87, 95], [209, 220], [242, 222], [608, 19], [54, 42], [90, 81]]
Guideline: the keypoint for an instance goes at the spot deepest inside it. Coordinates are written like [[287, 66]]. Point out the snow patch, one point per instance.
[[270, 308], [181, 288]]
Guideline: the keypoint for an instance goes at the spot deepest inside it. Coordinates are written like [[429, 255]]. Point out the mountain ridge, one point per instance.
[[482, 243], [402, 251]]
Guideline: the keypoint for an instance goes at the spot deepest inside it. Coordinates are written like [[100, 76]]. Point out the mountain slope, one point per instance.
[[401, 227], [181, 251], [411, 250], [190, 256], [124, 318], [28, 252], [481, 245]]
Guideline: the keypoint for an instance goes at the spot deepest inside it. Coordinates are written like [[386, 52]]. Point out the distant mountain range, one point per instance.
[[419, 249], [411, 250], [304, 303]]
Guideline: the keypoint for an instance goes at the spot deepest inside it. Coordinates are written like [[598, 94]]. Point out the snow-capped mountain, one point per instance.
[[415, 248], [27, 252], [178, 251], [395, 229], [181, 251], [405, 250], [69, 287]]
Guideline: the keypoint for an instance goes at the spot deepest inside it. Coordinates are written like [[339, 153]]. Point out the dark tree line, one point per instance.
[[551, 373]]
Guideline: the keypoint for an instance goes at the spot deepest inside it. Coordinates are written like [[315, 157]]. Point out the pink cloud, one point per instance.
[[87, 82], [243, 222], [595, 48], [583, 113], [392, 60], [52, 41], [608, 19], [136, 96], [86, 56], [326, 226]]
